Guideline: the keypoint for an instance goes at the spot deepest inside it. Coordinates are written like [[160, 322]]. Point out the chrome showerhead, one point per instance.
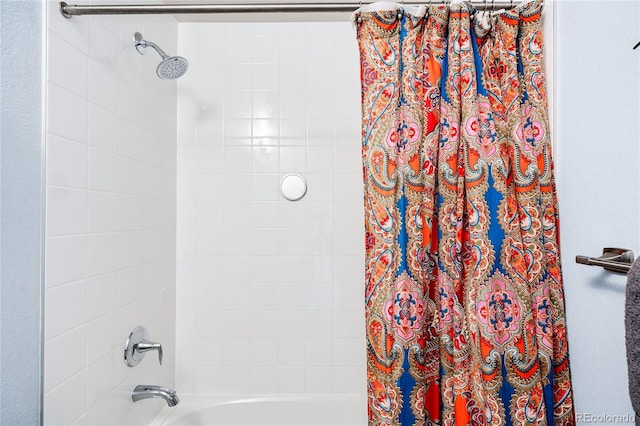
[[171, 67]]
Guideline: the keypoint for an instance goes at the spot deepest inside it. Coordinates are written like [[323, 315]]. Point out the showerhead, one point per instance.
[[171, 67]]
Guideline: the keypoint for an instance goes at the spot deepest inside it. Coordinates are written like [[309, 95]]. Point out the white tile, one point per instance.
[[129, 212], [236, 352], [237, 380], [101, 378], [70, 67], [293, 78], [66, 211], [293, 159], [293, 128], [265, 159], [318, 352], [320, 104], [208, 352], [290, 380], [103, 170], [348, 324], [101, 295], [320, 214], [207, 243], [348, 186], [185, 324], [66, 403], [265, 77], [318, 323], [264, 352], [238, 76], [236, 270], [104, 413], [235, 297], [208, 380], [292, 105], [66, 163], [63, 106], [102, 254], [65, 260], [237, 128], [102, 128], [237, 159], [265, 127], [292, 297], [292, 214], [264, 380], [103, 212], [265, 297], [347, 242], [291, 352], [349, 379], [348, 296], [294, 49], [130, 176], [349, 352], [291, 324], [102, 338], [265, 187], [318, 380], [210, 159], [65, 308], [61, 363], [237, 104], [265, 323], [236, 187], [292, 241], [319, 242], [264, 214], [320, 186], [103, 84], [320, 159], [104, 42], [76, 33], [265, 50], [319, 297], [266, 104]]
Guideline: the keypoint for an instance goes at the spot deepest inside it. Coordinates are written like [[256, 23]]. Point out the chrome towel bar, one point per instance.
[[612, 259]]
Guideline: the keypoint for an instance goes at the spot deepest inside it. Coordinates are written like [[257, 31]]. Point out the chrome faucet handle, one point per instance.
[[137, 345], [146, 346]]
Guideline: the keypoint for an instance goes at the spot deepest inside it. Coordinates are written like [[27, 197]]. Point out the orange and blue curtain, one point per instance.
[[465, 312]]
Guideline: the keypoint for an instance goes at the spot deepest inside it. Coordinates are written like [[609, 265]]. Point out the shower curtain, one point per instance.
[[465, 317]]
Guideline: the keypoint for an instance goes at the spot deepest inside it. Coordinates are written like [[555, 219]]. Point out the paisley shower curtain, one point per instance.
[[465, 317]]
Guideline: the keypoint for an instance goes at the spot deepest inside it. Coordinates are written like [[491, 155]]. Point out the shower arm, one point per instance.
[[143, 44]]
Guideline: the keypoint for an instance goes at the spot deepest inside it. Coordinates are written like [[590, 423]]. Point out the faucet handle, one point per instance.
[[137, 345], [145, 346]]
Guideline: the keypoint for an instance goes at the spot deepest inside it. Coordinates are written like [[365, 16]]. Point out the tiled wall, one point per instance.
[[110, 216], [269, 291]]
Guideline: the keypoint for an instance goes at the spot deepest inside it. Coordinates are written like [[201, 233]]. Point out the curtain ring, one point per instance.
[[493, 5], [400, 11]]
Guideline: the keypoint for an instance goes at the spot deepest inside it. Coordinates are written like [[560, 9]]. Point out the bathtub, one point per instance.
[[281, 410]]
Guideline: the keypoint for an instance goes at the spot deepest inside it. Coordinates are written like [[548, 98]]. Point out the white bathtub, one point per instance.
[[286, 410]]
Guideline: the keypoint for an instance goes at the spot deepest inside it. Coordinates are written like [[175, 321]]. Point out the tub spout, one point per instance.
[[153, 391]]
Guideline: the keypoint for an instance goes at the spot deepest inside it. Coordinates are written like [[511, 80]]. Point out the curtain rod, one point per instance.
[[69, 10]]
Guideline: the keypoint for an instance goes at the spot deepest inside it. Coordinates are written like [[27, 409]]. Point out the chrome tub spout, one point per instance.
[[154, 391]]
